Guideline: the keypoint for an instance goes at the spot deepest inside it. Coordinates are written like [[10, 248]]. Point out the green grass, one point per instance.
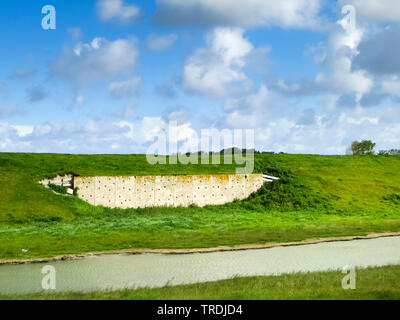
[[371, 284], [318, 196]]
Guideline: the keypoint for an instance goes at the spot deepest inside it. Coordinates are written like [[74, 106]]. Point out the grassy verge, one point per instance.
[[318, 196], [180, 228], [373, 283]]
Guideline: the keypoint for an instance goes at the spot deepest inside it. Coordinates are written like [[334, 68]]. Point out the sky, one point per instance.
[[306, 76]]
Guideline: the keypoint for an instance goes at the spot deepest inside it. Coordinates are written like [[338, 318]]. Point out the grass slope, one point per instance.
[[373, 283], [317, 196]]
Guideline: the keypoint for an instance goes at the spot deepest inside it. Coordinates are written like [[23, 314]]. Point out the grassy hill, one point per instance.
[[317, 196], [23, 199]]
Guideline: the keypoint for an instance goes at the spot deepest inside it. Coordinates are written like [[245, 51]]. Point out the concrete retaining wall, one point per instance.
[[173, 191]]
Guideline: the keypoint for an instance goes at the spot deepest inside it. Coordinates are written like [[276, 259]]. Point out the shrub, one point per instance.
[[365, 147], [58, 189], [393, 198], [288, 193]]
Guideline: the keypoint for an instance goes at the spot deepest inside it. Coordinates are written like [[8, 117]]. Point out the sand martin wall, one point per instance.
[[173, 191]]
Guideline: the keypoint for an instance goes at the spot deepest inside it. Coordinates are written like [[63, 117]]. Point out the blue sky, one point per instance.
[[113, 73]]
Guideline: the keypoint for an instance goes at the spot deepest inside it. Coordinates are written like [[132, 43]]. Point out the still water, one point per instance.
[[154, 270]]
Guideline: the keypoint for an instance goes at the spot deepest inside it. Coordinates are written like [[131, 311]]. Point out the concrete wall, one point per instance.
[[173, 191]]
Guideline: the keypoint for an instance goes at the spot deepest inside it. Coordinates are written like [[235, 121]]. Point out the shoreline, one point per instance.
[[197, 250]]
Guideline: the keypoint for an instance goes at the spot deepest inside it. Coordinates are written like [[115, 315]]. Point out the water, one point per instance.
[[154, 270]]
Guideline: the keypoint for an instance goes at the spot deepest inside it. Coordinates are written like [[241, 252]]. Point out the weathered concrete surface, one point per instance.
[[172, 191]]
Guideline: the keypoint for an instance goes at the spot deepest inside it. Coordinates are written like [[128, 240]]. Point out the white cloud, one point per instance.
[[118, 11], [380, 10], [99, 136], [342, 49], [158, 43], [391, 86], [248, 111], [96, 61], [361, 120], [209, 70], [327, 134], [380, 51], [125, 89], [23, 131], [11, 139], [148, 130], [249, 13]]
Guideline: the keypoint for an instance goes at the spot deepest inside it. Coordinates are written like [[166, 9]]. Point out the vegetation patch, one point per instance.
[[58, 189], [288, 194], [393, 198]]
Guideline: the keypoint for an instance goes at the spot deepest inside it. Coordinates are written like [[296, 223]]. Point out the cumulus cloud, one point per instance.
[[10, 139], [361, 67], [209, 70], [392, 85], [125, 89], [341, 76], [248, 111], [312, 132], [249, 13], [379, 10], [22, 131], [158, 43], [98, 60], [293, 131], [99, 137], [379, 53], [124, 136], [120, 137], [117, 10], [343, 49]]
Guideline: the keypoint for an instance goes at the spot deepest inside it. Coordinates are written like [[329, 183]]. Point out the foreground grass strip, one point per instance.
[[373, 283], [199, 250]]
